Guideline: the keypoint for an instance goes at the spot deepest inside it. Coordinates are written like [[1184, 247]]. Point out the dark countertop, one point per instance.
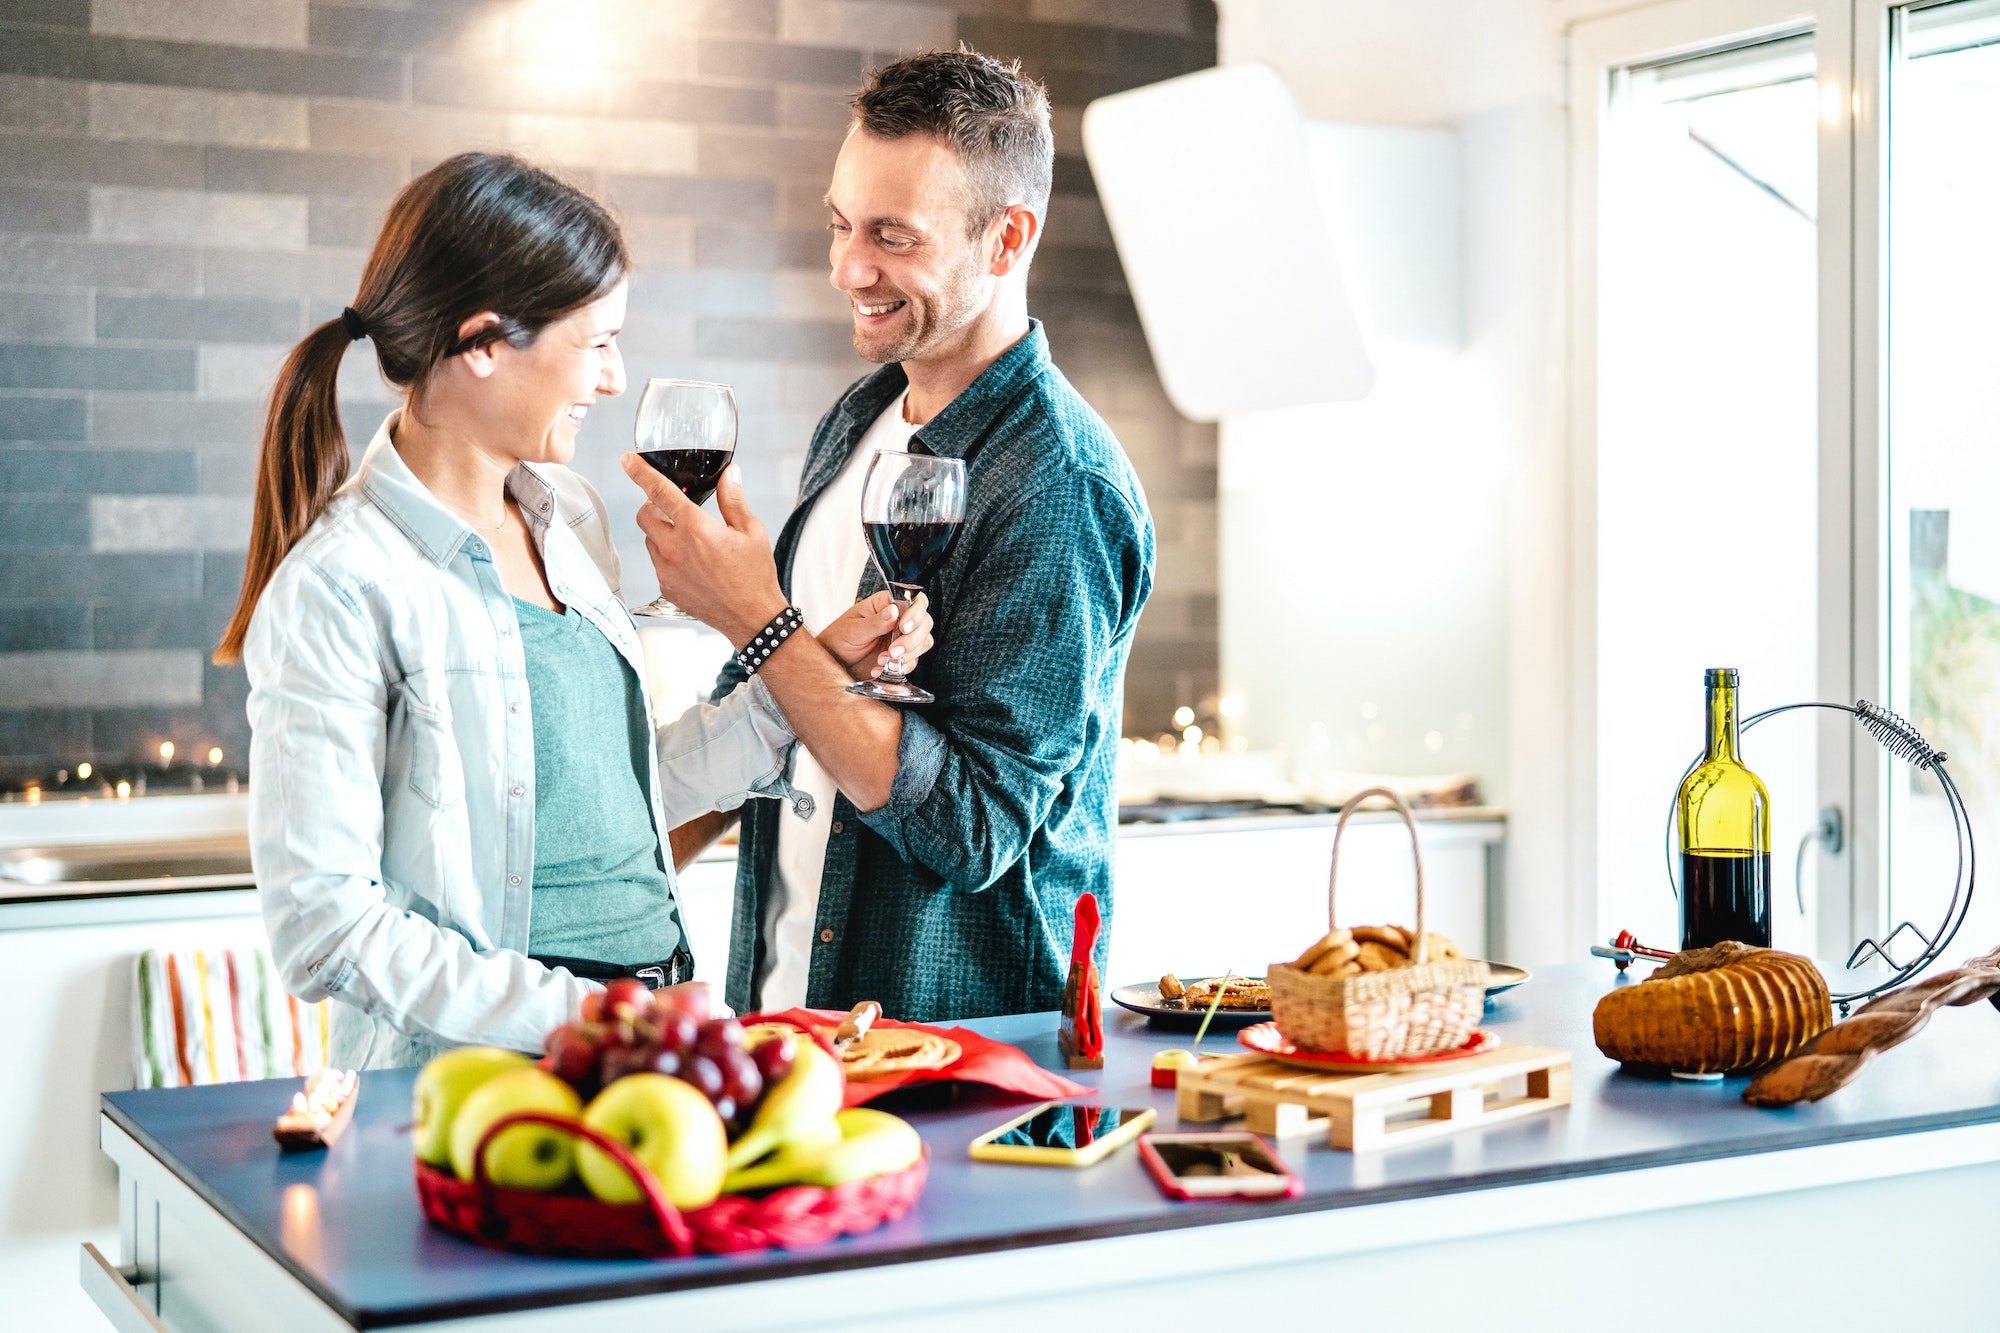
[[373, 1259]]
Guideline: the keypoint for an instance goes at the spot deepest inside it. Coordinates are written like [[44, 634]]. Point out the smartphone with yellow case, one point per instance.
[[1063, 1134]]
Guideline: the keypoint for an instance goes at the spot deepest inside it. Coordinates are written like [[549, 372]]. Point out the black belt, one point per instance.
[[671, 972]]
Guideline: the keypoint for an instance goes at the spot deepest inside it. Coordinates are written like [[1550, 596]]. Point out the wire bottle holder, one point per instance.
[[1905, 742]]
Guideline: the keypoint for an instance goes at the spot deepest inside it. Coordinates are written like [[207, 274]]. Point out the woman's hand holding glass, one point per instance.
[[869, 636]]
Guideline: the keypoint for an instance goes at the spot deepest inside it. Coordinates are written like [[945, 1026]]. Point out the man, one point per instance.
[[938, 871]]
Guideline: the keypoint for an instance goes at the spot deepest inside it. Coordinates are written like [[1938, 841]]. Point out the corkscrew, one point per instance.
[[1895, 734]]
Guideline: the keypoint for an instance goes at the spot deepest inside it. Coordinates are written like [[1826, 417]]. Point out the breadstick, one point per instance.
[[1326, 943], [1338, 956], [1393, 937]]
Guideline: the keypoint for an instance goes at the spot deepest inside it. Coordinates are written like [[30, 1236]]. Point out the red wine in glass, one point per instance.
[[686, 430], [908, 553], [696, 471], [911, 506]]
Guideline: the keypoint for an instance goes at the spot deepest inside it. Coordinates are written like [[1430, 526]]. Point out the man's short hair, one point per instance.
[[995, 116]]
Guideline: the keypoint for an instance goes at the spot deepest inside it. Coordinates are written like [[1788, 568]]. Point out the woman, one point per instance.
[[459, 811]]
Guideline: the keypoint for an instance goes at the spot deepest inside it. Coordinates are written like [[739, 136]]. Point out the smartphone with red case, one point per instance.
[[1227, 1164]]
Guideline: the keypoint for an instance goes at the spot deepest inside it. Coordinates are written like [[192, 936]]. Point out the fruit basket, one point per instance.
[[658, 1164], [578, 1226], [1400, 1013]]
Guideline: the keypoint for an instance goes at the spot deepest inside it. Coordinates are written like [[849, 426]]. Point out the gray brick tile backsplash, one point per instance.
[[332, 274], [117, 679], [43, 106], [182, 197], [50, 576], [160, 421], [50, 13], [775, 339], [98, 161], [496, 87], [751, 18], [436, 28], [44, 208], [28, 629], [44, 316], [75, 470], [199, 319], [780, 63], [196, 115], [744, 246], [63, 261], [44, 522], [42, 418], [29, 366], [692, 103], [283, 171], [154, 625], [741, 201]]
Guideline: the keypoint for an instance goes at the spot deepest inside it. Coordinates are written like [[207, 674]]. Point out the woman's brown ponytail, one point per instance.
[[301, 463], [478, 232]]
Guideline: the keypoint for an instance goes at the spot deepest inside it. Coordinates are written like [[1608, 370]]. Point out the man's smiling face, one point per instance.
[[901, 250]]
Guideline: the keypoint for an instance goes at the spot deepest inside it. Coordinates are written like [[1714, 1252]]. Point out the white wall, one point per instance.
[[1422, 530]]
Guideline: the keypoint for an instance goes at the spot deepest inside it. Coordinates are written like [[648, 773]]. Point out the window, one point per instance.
[[1943, 444], [1706, 448]]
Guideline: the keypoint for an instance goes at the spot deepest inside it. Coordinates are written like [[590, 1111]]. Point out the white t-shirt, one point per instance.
[[826, 573]]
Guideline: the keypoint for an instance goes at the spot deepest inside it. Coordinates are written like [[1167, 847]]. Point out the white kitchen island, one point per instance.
[[1647, 1204]]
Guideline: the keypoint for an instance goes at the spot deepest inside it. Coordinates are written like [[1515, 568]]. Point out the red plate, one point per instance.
[[1265, 1039]]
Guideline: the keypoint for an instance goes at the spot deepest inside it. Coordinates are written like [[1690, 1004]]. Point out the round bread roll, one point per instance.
[[1711, 1011]]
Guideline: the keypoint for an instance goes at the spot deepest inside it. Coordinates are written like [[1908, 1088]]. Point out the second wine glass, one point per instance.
[[911, 506], [686, 430]]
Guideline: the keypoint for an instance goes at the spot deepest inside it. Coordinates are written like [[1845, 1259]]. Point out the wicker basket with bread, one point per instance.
[[1378, 992]]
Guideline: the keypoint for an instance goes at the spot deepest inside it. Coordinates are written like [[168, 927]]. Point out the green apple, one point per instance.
[[526, 1157], [442, 1087], [670, 1127]]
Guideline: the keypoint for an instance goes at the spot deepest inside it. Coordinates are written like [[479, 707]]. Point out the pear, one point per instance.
[[804, 1100], [442, 1087]]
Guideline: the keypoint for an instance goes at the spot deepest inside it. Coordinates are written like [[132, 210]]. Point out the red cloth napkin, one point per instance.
[[981, 1060]]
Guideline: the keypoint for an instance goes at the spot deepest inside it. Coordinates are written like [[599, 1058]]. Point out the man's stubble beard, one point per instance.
[[946, 313]]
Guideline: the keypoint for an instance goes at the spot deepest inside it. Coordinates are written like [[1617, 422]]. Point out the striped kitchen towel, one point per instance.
[[219, 1016]]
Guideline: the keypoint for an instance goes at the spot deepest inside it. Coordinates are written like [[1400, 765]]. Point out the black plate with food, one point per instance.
[[1162, 1012], [1146, 999]]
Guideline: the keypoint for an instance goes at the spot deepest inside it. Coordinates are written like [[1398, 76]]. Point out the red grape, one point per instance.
[[618, 1061], [627, 996], [692, 998], [742, 1081], [572, 1052], [719, 1036], [678, 1032], [703, 1073], [592, 1008], [725, 1106], [774, 1057], [666, 1062]]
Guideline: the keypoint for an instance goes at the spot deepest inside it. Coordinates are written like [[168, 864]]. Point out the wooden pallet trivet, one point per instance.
[[1362, 1112]]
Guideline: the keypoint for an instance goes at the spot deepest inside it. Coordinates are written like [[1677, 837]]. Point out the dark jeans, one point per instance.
[[670, 972]]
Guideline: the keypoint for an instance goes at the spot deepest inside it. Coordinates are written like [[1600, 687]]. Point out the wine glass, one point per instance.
[[687, 431], [911, 506]]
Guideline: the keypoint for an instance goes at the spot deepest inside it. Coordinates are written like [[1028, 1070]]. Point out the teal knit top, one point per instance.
[[602, 888]]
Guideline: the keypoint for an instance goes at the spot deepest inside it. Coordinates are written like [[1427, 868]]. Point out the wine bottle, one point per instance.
[[1724, 815]]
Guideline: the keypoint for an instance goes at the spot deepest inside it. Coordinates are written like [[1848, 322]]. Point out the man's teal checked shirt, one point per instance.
[[957, 898]]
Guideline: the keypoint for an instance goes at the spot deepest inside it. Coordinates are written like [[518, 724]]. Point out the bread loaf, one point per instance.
[[1710, 1011]]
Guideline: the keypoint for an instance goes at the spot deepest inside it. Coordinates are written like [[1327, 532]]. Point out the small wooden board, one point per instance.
[[1362, 1112]]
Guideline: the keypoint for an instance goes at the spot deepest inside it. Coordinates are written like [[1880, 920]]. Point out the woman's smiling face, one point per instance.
[[545, 388]]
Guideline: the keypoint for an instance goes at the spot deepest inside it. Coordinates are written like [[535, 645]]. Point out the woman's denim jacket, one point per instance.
[[392, 791]]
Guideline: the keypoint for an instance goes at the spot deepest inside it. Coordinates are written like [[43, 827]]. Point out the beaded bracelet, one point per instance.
[[783, 625]]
